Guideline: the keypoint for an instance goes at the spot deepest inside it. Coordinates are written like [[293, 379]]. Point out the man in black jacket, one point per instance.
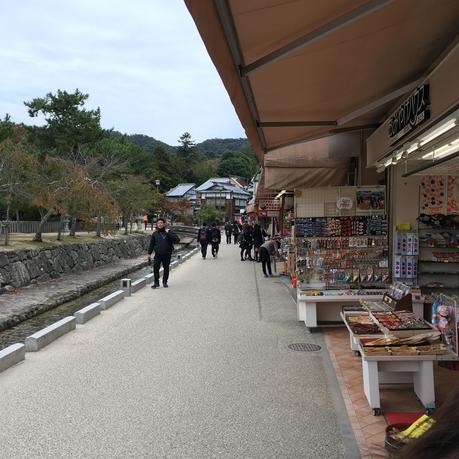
[[162, 242], [203, 238]]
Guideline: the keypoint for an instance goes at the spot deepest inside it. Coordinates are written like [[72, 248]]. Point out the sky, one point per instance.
[[141, 61]]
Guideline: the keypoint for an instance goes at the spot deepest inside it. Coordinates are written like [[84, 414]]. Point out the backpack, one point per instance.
[[203, 234]]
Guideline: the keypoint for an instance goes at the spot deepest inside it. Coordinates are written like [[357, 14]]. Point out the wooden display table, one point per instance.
[[354, 338], [307, 305], [397, 369]]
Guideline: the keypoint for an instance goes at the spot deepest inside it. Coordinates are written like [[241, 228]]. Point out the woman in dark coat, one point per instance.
[[236, 232], [258, 239]]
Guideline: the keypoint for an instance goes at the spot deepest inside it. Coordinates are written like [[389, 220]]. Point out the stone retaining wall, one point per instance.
[[25, 267]]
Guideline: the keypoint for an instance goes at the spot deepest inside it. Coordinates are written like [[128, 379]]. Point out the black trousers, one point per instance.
[[203, 248], [265, 261], [228, 238], [165, 260], [235, 237], [215, 247]]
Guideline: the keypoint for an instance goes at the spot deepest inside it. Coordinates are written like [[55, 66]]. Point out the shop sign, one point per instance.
[[344, 203], [412, 112]]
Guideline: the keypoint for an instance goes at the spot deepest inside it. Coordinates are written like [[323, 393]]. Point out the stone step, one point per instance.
[[47, 335], [87, 313], [11, 355]]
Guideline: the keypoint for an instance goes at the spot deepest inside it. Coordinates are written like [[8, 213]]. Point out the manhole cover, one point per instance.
[[305, 347]]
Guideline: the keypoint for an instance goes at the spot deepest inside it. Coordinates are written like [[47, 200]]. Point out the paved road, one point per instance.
[[200, 370]]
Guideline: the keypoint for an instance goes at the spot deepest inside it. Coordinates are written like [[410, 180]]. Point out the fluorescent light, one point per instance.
[[412, 148], [443, 151], [398, 156], [438, 132], [380, 168], [388, 162], [280, 194]]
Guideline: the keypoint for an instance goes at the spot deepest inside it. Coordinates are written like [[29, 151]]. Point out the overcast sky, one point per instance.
[[141, 61]]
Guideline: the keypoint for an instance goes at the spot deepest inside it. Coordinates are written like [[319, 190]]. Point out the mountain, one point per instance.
[[219, 146], [148, 142], [211, 147]]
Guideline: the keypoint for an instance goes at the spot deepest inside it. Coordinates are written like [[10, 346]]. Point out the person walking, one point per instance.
[[162, 243], [228, 231], [258, 236], [268, 249], [215, 239], [203, 238], [236, 232], [248, 237], [145, 221]]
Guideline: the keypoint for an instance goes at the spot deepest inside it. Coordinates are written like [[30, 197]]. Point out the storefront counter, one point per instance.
[[330, 306], [398, 369]]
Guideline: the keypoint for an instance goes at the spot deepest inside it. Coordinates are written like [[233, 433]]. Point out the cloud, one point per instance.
[[142, 62]]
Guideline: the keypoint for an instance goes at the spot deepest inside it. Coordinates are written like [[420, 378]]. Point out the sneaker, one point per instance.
[[165, 285], [265, 275], [155, 286]]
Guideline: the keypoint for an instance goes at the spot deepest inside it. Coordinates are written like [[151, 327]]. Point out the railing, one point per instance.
[[32, 227]]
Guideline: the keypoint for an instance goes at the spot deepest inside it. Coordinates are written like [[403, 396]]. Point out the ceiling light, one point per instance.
[[398, 156], [412, 148], [280, 194], [380, 168], [438, 132], [443, 151], [388, 162]]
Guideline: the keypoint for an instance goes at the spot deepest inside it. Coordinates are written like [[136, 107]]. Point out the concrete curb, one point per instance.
[[47, 335], [109, 300], [138, 284], [87, 313], [11, 355], [149, 278], [174, 264]]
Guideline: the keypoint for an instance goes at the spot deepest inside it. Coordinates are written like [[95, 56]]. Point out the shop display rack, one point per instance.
[[438, 256]]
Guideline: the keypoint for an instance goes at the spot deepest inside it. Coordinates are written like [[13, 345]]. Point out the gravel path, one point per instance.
[[199, 370]]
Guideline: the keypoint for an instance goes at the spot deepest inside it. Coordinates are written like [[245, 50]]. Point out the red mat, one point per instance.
[[401, 418]]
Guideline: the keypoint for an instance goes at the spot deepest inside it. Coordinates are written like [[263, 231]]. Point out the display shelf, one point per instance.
[[439, 256], [439, 246], [423, 260]]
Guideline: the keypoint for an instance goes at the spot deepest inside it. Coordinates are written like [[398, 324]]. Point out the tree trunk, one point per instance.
[[37, 237], [99, 225], [125, 224], [73, 225], [17, 215], [8, 206], [59, 230]]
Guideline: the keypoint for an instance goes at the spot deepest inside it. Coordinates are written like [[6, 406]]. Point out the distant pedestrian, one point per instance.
[[162, 243], [203, 238], [145, 221], [236, 232], [215, 239], [228, 232], [268, 249], [248, 239]]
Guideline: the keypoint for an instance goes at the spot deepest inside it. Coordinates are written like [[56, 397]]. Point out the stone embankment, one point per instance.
[[25, 267], [35, 281]]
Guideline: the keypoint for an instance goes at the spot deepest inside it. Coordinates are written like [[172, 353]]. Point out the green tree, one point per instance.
[[68, 125], [209, 213]]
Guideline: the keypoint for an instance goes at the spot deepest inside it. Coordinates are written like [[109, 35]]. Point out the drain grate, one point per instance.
[[304, 347]]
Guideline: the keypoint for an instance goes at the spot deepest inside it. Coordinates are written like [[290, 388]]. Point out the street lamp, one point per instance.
[[157, 183]]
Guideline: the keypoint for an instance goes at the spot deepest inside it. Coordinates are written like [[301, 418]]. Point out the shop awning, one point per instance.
[[301, 70]]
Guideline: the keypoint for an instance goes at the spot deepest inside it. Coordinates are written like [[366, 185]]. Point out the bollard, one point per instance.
[[179, 258], [125, 285]]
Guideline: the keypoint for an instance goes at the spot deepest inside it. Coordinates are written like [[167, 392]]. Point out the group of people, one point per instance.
[[248, 237], [209, 235]]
